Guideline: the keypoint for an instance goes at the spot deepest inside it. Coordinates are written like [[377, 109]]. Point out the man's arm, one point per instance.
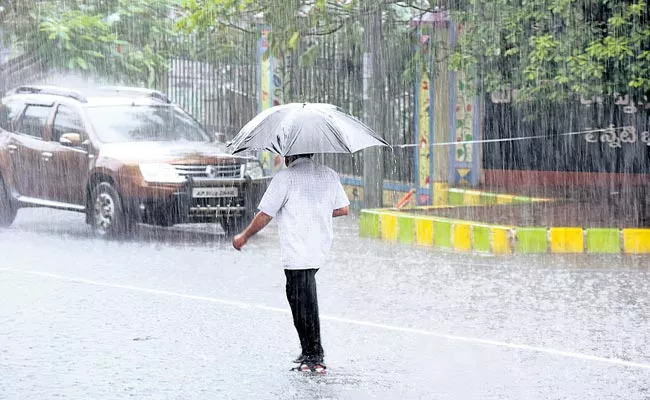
[[339, 212], [272, 202], [259, 222], [341, 204]]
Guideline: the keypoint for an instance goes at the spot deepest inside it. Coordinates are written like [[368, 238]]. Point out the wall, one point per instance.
[[568, 152]]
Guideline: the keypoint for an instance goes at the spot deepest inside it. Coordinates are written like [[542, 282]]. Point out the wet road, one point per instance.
[[172, 315]]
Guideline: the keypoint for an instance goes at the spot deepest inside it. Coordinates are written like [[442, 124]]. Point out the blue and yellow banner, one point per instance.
[[270, 92]]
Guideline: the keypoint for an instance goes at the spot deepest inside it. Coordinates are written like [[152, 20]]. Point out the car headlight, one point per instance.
[[254, 170], [160, 173]]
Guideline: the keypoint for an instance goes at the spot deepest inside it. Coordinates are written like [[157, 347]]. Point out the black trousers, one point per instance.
[[301, 293]]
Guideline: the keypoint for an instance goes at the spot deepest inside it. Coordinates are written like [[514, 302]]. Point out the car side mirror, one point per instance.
[[221, 137], [70, 139]]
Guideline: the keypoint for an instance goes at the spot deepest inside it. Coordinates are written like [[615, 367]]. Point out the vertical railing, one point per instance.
[[21, 70], [223, 93]]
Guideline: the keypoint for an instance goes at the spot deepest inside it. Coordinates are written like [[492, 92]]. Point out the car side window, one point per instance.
[[34, 120], [66, 120], [9, 110]]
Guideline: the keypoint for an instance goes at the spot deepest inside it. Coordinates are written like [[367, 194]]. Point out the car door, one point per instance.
[[10, 110], [69, 165], [29, 151]]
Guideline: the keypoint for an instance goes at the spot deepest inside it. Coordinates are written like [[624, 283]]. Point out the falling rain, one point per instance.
[[476, 206]]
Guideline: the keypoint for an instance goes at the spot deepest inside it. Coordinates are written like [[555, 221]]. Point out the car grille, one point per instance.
[[219, 171], [217, 202]]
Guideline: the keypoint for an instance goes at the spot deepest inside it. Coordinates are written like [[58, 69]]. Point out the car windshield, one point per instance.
[[144, 123]]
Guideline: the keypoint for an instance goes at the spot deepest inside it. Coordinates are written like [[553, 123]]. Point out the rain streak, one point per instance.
[[324, 199]]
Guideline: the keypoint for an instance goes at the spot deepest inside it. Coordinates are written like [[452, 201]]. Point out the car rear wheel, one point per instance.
[[7, 209], [108, 218]]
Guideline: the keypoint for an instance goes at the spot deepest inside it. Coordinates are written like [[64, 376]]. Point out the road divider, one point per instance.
[[465, 236]]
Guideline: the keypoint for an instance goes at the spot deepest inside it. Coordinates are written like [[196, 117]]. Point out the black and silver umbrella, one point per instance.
[[303, 128]]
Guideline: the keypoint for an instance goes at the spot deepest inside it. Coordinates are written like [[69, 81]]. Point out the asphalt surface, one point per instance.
[[176, 314]]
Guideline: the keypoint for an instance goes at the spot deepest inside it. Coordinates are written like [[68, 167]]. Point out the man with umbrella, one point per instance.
[[303, 198]]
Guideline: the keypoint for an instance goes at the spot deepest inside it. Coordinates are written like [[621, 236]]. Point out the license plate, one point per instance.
[[210, 192]]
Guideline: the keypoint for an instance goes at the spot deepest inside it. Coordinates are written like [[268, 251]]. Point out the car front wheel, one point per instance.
[[108, 218], [7, 208]]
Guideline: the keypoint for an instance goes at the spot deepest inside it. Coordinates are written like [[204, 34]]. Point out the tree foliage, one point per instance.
[[551, 49], [293, 21], [124, 40], [546, 49]]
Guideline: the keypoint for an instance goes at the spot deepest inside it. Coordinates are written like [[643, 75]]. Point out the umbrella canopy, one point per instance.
[[304, 128]]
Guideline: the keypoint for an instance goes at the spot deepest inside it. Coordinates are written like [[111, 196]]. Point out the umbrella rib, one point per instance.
[[343, 138]]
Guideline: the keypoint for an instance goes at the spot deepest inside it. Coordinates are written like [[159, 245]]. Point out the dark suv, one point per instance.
[[120, 155]]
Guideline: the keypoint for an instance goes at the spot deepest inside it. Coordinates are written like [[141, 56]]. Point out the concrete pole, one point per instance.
[[373, 93]]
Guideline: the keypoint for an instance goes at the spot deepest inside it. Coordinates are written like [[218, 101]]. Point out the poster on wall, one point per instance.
[[424, 119], [424, 100], [463, 124], [270, 94]]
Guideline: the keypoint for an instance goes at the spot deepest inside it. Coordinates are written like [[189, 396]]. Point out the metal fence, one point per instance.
[[223, 93], [20, 70]]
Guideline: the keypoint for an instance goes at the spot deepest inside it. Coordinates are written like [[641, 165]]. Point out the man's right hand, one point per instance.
[[239, 241], [258, 223], [340, 212]]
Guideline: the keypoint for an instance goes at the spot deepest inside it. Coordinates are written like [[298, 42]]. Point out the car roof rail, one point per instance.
[[128, 90], [51, 90]]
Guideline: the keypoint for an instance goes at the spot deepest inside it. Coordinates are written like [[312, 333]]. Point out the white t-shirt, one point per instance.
[[302, 198]]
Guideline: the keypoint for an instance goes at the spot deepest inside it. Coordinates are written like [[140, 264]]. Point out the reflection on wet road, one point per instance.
[[179, 314]]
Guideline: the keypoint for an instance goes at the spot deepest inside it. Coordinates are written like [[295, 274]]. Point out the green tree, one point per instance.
[[552, 49], [125, 40], [295, 20]]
